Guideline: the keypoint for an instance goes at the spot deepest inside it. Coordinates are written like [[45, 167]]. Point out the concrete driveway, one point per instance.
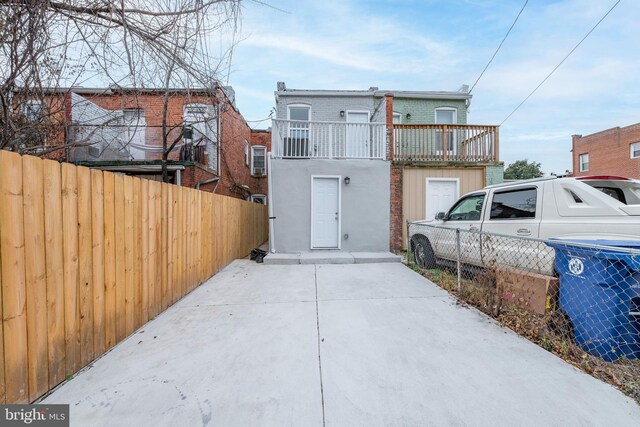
[[336, 345]]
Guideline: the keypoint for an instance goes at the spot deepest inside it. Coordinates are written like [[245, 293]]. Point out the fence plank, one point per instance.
[[70, 249], [120, 256], [137, 251], [144, 289], [129, 283], [14, 321], [85, 265], [35, 275], [98, 252], [164, 261], [152, 263], [109, 261]]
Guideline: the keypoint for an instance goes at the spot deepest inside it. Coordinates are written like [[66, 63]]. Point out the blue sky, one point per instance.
[[436, 45]]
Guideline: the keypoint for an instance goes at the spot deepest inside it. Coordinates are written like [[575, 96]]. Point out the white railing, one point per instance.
[[328, 140]]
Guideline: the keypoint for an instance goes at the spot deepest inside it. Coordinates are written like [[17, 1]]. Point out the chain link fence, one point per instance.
[[578, 299]]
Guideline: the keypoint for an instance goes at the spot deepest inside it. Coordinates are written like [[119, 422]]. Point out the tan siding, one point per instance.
[[413, 188]]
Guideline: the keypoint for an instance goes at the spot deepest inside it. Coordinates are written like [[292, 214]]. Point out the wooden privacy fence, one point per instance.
[[87, 257]]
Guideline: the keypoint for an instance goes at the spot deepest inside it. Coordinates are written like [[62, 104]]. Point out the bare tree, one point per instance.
[[46, 45]]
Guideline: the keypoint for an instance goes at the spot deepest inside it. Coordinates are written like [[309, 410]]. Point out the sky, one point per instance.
[[436, 45]]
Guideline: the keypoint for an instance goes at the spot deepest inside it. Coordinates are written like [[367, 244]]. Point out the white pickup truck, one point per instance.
[[595, 207]]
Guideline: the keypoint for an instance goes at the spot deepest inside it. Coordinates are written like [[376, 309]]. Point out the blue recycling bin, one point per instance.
[[600, 292]]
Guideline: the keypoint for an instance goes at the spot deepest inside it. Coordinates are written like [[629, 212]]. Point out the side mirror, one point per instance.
[[441, 216]]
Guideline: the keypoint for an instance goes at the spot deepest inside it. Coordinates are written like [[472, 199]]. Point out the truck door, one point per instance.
[[515, 211], [465, 215]]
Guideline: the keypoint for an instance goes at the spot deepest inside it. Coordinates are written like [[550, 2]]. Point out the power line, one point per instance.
[[499, 46], [561, 62]]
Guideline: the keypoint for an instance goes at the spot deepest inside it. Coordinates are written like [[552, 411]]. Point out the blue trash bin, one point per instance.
[[600, 292]]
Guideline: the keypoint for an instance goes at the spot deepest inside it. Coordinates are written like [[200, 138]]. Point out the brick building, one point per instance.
[[614, 151], [122, 130]]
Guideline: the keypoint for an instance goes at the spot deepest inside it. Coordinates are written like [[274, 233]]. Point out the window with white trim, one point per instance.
[[397, 118], [259, 198], [445, 116], [258, 160], [301, 113], [583, 159], [635, 150], [246, 152]]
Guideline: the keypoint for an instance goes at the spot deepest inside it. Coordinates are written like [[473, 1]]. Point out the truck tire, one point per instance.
[[423, 252]]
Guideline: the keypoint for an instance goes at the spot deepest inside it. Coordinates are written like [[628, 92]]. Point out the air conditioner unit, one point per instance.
[[259, 171]]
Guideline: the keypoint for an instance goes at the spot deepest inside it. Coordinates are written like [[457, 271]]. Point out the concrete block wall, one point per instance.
[[609, 152], [494, 174], [325, 108]]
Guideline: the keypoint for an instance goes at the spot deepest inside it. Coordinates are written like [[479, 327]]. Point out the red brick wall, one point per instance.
[[609, 152], [395, 218], [194, 174]]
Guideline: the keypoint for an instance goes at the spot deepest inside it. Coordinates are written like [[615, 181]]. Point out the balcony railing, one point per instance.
[[451, 143], [328, 140]]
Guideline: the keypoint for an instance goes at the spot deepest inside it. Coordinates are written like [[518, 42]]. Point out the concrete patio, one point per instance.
[[338, 345]]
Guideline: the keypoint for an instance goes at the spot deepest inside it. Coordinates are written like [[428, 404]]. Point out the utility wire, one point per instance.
[[499, 46], [561, 62]]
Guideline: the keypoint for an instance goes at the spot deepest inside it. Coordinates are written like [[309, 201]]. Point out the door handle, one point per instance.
[[524, 231]]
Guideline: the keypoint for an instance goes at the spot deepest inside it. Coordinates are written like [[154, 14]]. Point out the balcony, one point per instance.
[[293, 139], [446, 143]]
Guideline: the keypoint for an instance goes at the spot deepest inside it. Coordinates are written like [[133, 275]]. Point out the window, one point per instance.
[[467, 209], [635, 150], [584, 162], [33, 110], [258, 160], [259, 198], [299, 113], [246, 152], [445, 116], [397, 118], [514, 204]]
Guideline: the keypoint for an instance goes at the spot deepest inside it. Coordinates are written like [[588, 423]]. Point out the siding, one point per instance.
[[423, 111], [413, 190]]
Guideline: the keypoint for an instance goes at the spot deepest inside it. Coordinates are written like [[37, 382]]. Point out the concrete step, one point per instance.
[[330, 257]]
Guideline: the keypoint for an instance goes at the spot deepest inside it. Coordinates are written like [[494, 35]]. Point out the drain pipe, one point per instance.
[[209, 181], [272, 245]]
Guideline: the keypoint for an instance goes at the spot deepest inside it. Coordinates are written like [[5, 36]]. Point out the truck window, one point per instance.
[[467, 209], [514, 204]]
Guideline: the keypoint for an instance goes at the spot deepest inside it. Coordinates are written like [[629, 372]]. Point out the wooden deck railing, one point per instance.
[[449, 143]]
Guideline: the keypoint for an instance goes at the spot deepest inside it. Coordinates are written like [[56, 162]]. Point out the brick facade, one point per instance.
[[395, 218], [609, 152], [232, 132]]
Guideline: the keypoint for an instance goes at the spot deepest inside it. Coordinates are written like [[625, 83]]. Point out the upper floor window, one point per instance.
[[635, 150], [446, 116], [397, 118], [258, 198], [258, 160], [33, 110], [246, 152], [584, 162], [299, 130]]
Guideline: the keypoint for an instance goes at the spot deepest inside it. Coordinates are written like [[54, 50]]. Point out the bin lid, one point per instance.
[[631, 258]]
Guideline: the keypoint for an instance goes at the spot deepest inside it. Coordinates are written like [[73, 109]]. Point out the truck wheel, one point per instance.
[[423, 252]]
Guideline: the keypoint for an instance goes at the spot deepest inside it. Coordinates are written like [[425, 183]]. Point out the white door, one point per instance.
[[325, 212], [440, 196], [357, 134]]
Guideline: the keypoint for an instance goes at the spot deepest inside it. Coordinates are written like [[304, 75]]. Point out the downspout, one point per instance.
[[272, 245], [209, 181]]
